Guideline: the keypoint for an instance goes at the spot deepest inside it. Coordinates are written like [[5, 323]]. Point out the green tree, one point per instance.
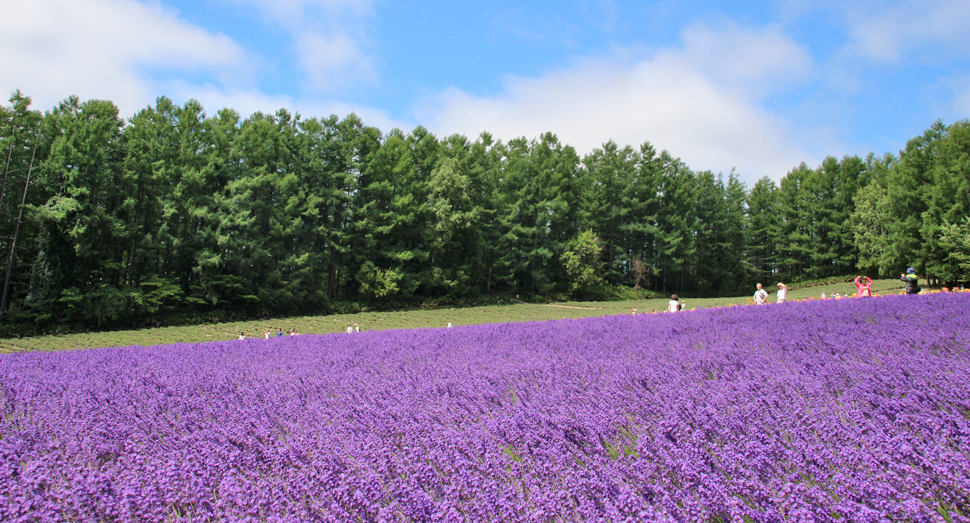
[[82, 180], [947, 200], [906, 185], [582, 261], [870, 225], [22, 146], [717, 234], [762, 229], [673, 247], [389, 214], [485, 169], [377, 283], [643, 198], [455, 215], [611, 200], [170, 183], [955, 242]]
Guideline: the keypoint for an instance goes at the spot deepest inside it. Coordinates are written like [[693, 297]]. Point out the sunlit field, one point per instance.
[[405, 320], [838, 410]]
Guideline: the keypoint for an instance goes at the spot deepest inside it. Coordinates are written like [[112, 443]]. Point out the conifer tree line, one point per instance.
[[175, 211]]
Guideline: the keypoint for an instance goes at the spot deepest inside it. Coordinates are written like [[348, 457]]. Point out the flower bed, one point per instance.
[[856, 410]]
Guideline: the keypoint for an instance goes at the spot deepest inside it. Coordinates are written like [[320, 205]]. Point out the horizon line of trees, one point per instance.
[[110, 221]]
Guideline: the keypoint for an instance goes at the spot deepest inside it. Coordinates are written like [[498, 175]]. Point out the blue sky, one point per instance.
[[754, 86]]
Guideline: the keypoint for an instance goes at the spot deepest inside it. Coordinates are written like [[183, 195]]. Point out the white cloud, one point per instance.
[[109, 49], [330, 38], [701, 102], [286, 10], [756, 62], [247, 102], [962, 104], [328, 60], [884, 31], [102, 49]]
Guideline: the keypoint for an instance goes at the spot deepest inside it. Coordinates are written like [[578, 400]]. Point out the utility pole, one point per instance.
[[16, 231]]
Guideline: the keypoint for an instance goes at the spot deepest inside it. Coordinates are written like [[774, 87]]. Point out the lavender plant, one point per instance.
[[855, 410]]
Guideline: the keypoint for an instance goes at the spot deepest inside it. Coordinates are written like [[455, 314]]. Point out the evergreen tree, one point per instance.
[[907, 185], [23, 145], [82, 181], [674, 246], [610, 199], [947, 201], [763, 229], [176, 211]]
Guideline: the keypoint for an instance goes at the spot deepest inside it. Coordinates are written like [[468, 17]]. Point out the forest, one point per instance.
[[174, 214]]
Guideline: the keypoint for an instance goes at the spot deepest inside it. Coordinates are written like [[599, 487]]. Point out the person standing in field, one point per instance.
[[863, 285], [911, 280], [782, 292], [674, 304], [760, 296]]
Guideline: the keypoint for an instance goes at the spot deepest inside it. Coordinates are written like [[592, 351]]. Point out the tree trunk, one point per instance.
[[16, 231]]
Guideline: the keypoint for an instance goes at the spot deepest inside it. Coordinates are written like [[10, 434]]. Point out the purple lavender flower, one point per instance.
[[860, 410]]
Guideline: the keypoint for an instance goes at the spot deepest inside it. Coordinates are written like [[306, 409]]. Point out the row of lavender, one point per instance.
[[858, 410]]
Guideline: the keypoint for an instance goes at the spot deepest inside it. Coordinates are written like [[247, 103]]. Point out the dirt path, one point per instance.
[[10, 348], [573, 307]]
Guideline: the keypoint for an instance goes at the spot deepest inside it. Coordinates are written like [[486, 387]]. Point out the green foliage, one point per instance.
[[947, 205], [375, 283], [912, 211], [176, 212], [618, 293], [582, 260], [824, 282], [955, 242], [762, 230], [870, 224], [816, 235]]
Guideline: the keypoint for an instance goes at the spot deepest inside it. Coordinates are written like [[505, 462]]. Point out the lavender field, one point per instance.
[[848, 410]]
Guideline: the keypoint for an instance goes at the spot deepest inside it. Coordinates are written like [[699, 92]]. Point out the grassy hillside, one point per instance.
[[434, 318]]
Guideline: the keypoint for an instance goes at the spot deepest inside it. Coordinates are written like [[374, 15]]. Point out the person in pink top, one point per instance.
[[864, 287]]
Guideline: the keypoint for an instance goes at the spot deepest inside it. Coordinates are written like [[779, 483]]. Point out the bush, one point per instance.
[[816, 283], [617, 293]]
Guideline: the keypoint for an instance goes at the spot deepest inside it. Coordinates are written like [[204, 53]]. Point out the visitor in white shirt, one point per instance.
[[674, 304], [760, 296]]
